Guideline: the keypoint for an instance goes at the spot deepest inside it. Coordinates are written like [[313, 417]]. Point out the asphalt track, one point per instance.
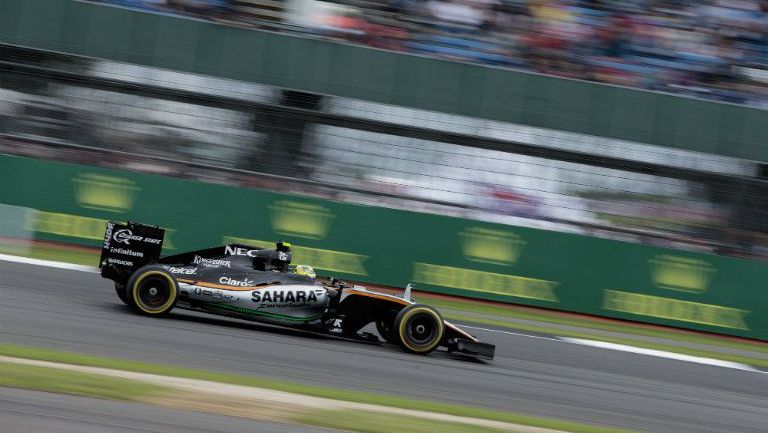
[[23, 411], [77, 311]]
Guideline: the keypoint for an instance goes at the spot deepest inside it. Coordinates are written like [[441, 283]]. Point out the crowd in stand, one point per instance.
[[714, 49]]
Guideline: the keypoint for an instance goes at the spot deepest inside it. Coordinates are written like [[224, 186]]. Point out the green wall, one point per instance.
[[356, 72], [392, 247]]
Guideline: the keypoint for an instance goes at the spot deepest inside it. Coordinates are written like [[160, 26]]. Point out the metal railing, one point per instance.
[[257, 136]]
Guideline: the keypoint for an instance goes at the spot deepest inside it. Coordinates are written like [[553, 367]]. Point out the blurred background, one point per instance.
[[714, 49], [148, 119], [572, 181]]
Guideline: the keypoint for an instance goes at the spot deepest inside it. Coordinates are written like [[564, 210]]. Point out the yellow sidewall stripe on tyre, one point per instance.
[[440, 327], [161, 309]]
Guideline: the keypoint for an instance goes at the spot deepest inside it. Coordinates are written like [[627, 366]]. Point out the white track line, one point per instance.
[[579, 341], [662, 354], [517, 334], [48, 263]]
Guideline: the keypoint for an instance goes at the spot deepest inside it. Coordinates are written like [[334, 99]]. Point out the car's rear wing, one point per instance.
[[128, 247]]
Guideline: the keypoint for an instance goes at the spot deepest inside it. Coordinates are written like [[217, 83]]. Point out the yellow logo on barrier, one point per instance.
[[491, 246], [487, 282], [328, 260], [681, 273], [675, 309], [96, 191], [300, 219]]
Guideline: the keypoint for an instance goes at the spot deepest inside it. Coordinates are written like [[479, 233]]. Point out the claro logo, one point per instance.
[[232, 282], [125, 236]]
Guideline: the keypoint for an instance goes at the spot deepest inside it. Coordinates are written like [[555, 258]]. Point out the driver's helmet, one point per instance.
[[305, 270]]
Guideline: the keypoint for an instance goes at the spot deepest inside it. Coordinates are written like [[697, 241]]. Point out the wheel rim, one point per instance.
[[421, 329], [154, 292]]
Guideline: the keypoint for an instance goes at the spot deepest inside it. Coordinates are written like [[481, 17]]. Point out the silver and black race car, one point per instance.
[[260, 285]]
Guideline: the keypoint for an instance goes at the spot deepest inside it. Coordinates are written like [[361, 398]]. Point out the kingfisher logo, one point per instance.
[[211, 263]]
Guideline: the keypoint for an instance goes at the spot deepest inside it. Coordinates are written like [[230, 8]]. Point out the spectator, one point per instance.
[[697, 48]]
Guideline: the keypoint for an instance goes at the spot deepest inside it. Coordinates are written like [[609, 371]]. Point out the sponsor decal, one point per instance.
[[126, 252], [239, 251], [211, 263], [108, 234], [119, 262], [232, 282], [328, 260], [80, 227], [183, 271], [125, 236], [216, 294], [336, 327], [283, 298]]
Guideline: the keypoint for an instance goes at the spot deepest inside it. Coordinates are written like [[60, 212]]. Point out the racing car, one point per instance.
[[260, 284]]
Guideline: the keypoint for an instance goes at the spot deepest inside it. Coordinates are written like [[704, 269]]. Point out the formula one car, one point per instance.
[[261, 285]]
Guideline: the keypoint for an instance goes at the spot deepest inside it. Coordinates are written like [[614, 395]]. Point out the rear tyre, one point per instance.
[[152, 291], [419, 329], [122, 293], [384, 328]]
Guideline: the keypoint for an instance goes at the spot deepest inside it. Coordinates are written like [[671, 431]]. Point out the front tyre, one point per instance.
[[152, 291], [419, 329]]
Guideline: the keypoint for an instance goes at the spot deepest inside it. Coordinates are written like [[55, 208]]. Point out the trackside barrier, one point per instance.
[[312, 65], [392, 247]]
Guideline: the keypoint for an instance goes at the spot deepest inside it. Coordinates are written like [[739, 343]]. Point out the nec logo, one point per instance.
[[239, 251]]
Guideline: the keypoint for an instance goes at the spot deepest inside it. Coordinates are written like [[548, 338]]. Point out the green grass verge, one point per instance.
[[62, 381], [55, 253], [317, 391], [372, 422], [80, 257], [72, 382], [758, 362]]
